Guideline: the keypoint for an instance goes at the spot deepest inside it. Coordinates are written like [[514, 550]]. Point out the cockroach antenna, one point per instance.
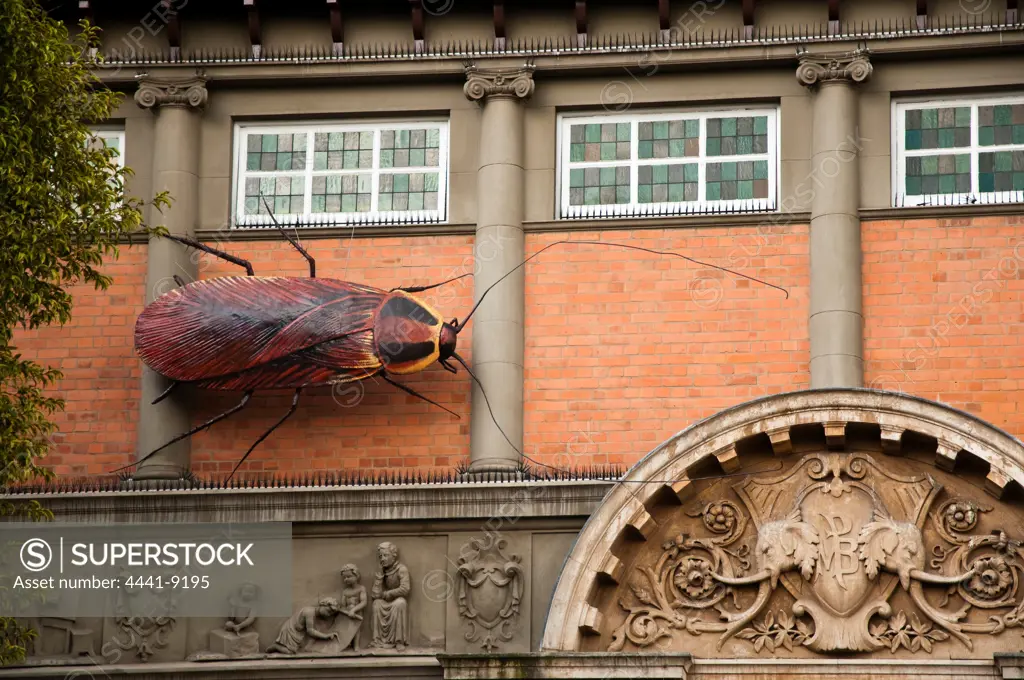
[[460, 326]]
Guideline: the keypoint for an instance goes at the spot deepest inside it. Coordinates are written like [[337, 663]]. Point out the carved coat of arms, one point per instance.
[[490, 587], [840, 534]]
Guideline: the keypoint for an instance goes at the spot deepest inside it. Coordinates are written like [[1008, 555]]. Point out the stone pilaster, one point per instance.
[[176, 106], [836, 307], [498, 337]]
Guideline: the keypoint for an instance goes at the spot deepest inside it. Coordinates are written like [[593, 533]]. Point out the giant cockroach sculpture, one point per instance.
[[248, 333]]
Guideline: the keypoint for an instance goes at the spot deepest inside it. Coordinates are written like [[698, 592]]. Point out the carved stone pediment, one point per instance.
[[813, 557]]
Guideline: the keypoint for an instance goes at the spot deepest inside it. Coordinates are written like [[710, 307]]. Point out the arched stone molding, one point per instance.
[[897, 423]]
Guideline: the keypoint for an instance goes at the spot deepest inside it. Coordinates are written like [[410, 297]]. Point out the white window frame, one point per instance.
[[900, 154], [310, 219], [701, 205], [111, 132]]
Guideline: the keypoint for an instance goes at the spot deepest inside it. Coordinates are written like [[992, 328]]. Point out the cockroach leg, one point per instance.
[[409, 390], [166, 393], [192, 243], [448, 367], [178, 280], [295, 404], [198, 428]]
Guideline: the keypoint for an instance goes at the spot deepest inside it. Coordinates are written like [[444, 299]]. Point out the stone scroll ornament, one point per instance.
[[144, 618], [840, 534], [490, 587]]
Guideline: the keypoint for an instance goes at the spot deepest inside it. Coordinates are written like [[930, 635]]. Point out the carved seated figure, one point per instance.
[[235, 639], [390, 612], [301, 627]]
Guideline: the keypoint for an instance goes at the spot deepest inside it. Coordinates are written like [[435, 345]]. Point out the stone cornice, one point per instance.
[[499, 83], [467, 501], [187, 93], [814, 69], [444, 66]]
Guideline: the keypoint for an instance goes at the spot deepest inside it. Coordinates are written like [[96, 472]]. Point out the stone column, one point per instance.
[[836, 318], [498, 338], [176, 106]]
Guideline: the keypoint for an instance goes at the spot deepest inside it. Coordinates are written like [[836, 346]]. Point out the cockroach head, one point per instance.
[[449, 336]]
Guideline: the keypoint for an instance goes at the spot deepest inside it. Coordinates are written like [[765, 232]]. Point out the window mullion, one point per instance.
[[307, 197], [634, 169], [375, 172], [702, 191], [975, 160]]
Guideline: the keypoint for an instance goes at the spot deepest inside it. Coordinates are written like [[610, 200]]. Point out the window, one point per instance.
[[112, 138], [958, 151], [320, 174], [665, 163]]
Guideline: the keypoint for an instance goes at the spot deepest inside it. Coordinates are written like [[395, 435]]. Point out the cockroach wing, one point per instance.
[[347, 359], [227, 325]]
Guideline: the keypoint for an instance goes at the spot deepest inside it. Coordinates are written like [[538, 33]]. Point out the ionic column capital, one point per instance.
[[482, 84], [851, 67], [188, 93]]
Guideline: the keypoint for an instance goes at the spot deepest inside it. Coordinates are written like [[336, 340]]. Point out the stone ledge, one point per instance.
[[411, 668], [461, 501], [578, 665]]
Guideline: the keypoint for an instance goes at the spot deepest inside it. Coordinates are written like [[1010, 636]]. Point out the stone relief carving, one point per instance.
[[347, 623], [391, 587], [490, 587], [301, 628], [236, 639], [61, 637], [840, 534], [144, 619]]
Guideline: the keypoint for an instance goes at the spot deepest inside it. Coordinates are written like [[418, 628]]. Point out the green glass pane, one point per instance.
[[607, 177], [690, 173], [645, 150], [728, 127], [714, 191], [692, 128], [661, 129], [761, 125], [644, 193], [608, 151], [593, 132], [622, 132]]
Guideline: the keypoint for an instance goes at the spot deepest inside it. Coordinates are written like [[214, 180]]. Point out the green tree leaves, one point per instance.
[[62, 211]]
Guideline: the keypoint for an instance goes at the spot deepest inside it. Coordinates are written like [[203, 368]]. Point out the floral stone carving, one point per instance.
[[840, 534], [490, 587]]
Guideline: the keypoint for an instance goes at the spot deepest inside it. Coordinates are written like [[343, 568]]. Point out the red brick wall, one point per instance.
[[624, 349], [369, 426], [944, 313], [101, 373]]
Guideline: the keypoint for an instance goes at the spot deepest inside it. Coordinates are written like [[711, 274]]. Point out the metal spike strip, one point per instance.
[[624, 43], [348, 478]]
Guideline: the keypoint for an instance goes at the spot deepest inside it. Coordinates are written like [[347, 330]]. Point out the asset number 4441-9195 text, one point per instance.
[[158, 582]]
